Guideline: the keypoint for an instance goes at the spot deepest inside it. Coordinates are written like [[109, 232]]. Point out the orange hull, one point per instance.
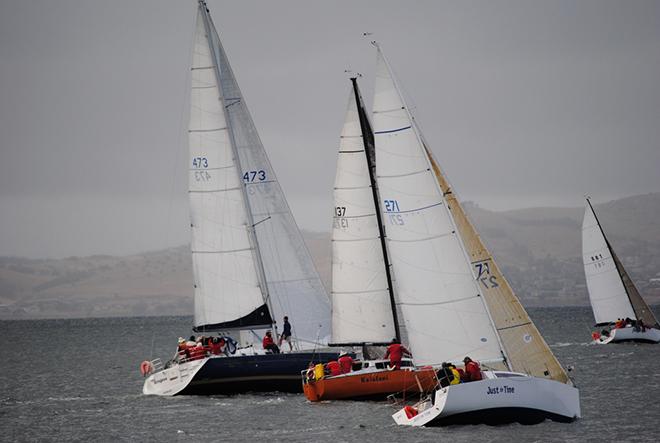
[[370, 385]]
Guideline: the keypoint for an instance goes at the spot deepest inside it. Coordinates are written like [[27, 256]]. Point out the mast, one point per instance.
[[257, 258], [369, 151]]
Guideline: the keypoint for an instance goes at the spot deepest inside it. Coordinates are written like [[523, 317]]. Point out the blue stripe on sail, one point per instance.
[[393, 130]]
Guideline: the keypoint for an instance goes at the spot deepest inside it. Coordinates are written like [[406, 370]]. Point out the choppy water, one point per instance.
[[79, 380]]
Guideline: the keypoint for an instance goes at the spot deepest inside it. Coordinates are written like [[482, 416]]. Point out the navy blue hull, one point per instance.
[[500, 416], [254, 373]]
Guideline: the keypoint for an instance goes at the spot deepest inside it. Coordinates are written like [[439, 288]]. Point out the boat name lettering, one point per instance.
[[500, 390], [375, 378]]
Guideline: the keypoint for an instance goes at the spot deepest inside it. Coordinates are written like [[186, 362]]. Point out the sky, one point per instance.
[[524, 104]]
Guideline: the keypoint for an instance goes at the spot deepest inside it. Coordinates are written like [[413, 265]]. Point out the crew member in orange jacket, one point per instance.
[[345, 363], [396, 351], [472, 370]]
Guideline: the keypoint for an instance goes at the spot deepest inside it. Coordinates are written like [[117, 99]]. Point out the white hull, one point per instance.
[[172, 380], [501, 397], [651, 335]]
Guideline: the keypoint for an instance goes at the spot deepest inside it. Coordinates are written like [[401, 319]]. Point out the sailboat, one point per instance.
[[612, 293], [453, 299], [250, 263], [364, 311]]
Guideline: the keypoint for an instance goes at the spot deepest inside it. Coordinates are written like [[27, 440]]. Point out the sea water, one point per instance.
[[67, 380]]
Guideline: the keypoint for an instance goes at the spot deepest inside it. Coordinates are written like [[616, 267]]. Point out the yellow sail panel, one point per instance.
[[526, 349]]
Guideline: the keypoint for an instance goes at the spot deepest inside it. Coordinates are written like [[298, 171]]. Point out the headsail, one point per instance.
[[526, 349], [361, 303], [443, 311], [612, 293], [292, 286]]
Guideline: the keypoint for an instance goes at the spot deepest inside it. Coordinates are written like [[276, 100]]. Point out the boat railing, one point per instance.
[[157, 364]]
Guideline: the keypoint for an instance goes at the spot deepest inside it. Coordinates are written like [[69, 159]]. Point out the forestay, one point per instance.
[[526, 350], [443, 311], [361, 308], [294, 287], [225, 273]]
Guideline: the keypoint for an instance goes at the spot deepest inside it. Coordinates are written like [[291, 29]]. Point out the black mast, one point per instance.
[[370, 152]]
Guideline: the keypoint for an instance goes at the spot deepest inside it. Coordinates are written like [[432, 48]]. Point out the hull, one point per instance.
[[651, 335], [370, 385], [502, 397], [235, 375]]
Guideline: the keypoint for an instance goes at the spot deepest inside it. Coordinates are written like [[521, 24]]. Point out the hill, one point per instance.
[[539, 250]]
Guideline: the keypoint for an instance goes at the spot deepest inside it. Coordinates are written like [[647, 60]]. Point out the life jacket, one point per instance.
[[334, 368], [346, 364], [215, 348], [457, 377], [267, 341], [197, 353]]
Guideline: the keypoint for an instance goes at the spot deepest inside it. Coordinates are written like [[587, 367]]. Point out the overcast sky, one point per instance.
[[525, 103]]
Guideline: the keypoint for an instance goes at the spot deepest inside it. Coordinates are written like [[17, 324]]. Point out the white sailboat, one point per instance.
[[444, 280], [251, 266], [612, 293], [364, 310]]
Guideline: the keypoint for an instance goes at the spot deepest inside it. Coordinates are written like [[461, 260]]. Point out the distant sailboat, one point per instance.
[[250, 262], [364, 311], [445, 279], [612, 293]]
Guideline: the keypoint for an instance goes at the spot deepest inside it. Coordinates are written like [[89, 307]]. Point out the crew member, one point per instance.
[[472, 370], [345, 363], [333, 368], [286, 333], [269, 344], [395, 351]]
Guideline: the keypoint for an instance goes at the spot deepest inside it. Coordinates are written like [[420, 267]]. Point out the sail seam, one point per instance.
[[384, 111], [348, 188], [515, 326], [211, 169], [421, 239], [439, 303], [359, 292], [337, 240], [356, 216], [203, 87], [351, 152], [201, 68]]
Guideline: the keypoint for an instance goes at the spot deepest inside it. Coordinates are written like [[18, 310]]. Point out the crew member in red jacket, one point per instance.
[[269, 344], [396, 351], [345, 363], [333, 368], [472, 370]]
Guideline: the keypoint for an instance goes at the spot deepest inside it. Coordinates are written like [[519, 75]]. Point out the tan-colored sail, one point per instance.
[[642, 310], [526, 349]]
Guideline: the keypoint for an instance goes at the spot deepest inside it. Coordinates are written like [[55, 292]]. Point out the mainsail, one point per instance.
[[250, 261], [362, 309], [443, 310], [612, 293], [525, 348]]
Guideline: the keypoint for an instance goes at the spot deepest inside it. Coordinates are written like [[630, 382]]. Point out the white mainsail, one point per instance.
[[225, 273], [607, 294], [361, 307], [441, 305], [255, 266]]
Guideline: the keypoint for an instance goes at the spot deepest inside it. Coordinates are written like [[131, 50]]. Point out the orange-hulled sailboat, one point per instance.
[[364, 310]]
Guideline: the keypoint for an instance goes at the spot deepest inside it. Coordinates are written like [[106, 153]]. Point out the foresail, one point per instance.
[[642, 310], [443, 312], [607, 293], [225, 277], [526, 350], [361, 308], [294, 287]]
